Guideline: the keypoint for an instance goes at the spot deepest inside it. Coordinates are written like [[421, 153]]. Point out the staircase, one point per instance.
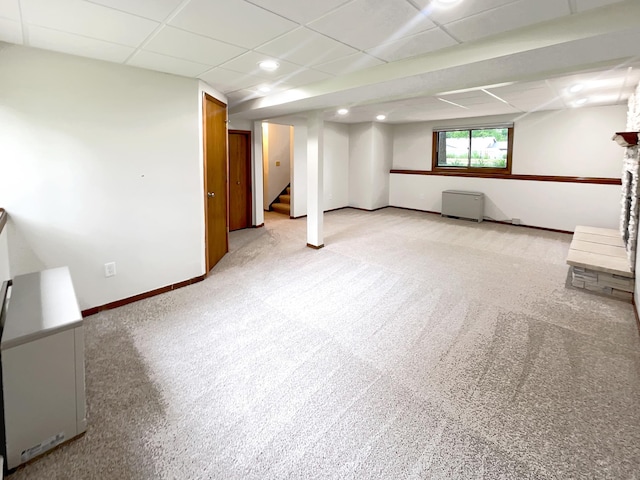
[[283, 204]]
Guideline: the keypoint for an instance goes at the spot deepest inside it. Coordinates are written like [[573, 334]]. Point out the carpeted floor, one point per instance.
[[410, 347]]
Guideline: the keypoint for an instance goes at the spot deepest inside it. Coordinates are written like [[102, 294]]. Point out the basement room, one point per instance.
[[290, 239]]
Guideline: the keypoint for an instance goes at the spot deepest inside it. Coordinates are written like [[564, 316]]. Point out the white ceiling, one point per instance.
[[375, 56]]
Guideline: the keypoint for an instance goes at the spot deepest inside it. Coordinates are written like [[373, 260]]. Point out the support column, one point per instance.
[[315, 177]]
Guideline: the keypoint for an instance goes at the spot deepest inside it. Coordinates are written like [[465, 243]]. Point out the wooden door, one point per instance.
[[239, 179], [215, 179]]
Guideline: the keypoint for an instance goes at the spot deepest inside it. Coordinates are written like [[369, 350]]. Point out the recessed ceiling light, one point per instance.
[[264, 89], [578, 87], [269, 65], [381, 117], [343, 111], [579, 102]]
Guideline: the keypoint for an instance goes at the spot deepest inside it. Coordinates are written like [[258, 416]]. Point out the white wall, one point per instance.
[[277, 166], [101, 163], [336, 165], [370, 159], [575, 142], [382, 160], [555, 205], [236, 123], [360, 158], [566, 143], [299, 174]]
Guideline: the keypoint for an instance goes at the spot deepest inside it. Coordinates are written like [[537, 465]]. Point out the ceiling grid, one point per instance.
[[371, 55]]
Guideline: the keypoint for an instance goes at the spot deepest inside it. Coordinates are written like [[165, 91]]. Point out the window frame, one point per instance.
[[468, 169]]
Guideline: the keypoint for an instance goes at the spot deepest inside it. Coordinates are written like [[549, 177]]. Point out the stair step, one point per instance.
[[282, 208], [285, 198], [288, 190]]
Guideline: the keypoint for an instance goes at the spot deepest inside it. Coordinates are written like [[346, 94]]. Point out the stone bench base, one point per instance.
[[601, 282], [599, 262]]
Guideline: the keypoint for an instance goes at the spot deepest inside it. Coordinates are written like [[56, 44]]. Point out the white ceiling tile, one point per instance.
[[89, 20], [536, 93], [304, 77], [533, 105], [518, 87], [157, 10], [584, 5], [190, 46], [412, 46], [348, 64], [163, 63], [466, 100], [364, 24], [416, 102], [229, 81], [10, 31], [10, 9], [306, 47], [301, 12], [235, 22], [444, 14], [76, 45], [248, 63], [509, 17]]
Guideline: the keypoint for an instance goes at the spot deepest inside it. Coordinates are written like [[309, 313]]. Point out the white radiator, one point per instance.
[[463, 204]]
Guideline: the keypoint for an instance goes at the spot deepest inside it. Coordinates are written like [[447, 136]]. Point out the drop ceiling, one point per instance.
[[411, 60]]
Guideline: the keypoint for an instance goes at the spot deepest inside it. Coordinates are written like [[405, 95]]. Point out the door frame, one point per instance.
[[205, 97], [249, 205]]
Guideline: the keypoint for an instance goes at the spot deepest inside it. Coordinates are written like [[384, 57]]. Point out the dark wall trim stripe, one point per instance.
[[535, 178], [530, 226], [3, 218], [490, 221], [141, 296], [367, 210]]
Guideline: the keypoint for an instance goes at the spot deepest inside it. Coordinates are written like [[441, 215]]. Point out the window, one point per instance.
[[478, 149]]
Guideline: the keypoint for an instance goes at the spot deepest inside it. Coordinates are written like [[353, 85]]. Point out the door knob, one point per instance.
[[211, 194], [238, 183]]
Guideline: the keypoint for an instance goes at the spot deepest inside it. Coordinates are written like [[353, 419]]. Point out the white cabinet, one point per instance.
[[42, 356]]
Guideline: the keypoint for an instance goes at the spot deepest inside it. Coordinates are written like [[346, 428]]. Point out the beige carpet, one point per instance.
[[410, 347]]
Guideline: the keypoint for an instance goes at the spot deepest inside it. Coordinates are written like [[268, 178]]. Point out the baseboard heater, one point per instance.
[[463, 204]]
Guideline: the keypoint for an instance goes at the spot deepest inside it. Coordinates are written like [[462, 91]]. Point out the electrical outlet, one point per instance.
[[109, 269]]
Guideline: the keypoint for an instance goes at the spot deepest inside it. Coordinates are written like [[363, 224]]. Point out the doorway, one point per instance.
[[278, 167], [239, 179], [215, 180]]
